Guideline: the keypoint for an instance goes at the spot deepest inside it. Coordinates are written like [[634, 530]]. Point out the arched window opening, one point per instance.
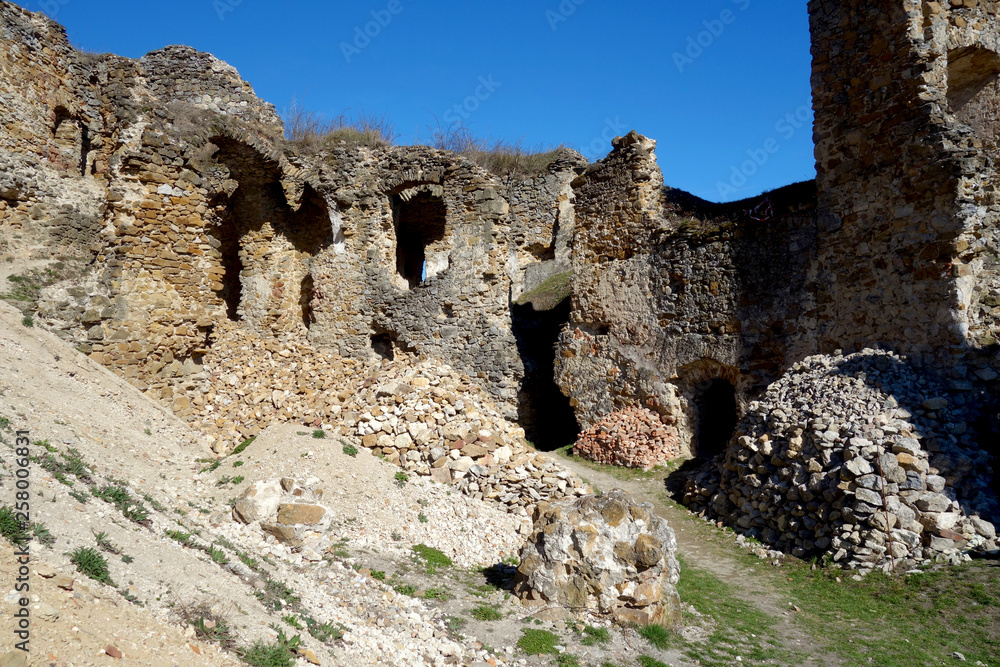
[[420, 223]]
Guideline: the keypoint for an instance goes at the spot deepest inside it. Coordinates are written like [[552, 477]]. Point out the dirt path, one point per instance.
[[758, 586]]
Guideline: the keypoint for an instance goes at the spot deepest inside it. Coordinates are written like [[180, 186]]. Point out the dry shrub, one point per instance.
[[500, 156], [311, 132]]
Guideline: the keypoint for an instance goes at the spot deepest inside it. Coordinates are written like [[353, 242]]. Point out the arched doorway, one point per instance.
[[715, 416]]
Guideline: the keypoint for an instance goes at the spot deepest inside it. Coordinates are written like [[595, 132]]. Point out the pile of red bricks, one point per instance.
[[634, 437]]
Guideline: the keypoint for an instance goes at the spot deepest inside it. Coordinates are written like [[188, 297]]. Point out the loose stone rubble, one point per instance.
[[431, 421], [634, 437], [604, 554], [859, 457]]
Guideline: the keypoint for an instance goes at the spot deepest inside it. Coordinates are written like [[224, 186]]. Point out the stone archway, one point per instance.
[[713, 395]]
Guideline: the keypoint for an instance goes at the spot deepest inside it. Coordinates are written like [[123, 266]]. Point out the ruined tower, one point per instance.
[[905, 98]]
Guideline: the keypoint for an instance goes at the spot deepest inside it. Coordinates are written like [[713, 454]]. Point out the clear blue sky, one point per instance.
[[732, 110]]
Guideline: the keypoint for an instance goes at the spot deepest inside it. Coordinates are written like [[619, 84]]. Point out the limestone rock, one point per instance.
[[258, 503], [602, 554], [300, 513]]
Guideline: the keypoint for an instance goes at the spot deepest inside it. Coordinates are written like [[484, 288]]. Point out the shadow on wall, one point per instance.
[[543, 411], [261, 237], [950, 425]]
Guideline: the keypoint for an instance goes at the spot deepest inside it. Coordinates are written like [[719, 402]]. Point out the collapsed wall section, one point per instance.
[[427, 259], [679, 305]]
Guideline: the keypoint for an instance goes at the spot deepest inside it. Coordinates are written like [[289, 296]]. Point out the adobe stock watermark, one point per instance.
[[786, 127], [51, 7], [223, 7], [696, 44], [363, 35], [562, 13], [599, 146], [461, 112]]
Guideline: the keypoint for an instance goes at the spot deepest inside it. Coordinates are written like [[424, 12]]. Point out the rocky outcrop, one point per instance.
[[287, 509], [861, 458], [602, 554]]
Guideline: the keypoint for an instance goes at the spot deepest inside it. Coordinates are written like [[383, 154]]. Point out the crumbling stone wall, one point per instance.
[[670, 292], [196, 212], [476, 258], [907, 226]]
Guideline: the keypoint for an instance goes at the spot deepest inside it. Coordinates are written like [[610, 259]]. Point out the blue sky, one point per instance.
[[722, 85]]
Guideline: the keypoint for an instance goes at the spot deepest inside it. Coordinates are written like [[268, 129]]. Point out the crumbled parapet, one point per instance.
[[858, 458], [601, 554], [634, 437]]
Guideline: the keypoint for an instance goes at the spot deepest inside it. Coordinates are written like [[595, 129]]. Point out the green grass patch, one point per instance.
[[550, 293], [350, 450], [734, 626], [243, 445], [437, 593], [657, 635], [281, 653], [319, 434], [90, 562], [405, 589], [646, 661], [876, 621], [538, 642], [621, 472], [11, 528], [432, 558], [486, 613], [593, 636]]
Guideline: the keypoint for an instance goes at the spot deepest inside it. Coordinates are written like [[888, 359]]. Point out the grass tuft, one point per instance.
[[485, 613], [538, 642], [90, 562]]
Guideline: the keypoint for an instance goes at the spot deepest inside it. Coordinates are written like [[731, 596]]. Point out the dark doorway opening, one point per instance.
[[715, 417], [543, 411], [383, 346], [419, 222]]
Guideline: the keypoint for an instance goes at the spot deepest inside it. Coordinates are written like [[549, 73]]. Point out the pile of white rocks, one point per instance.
[[431, 421], [861, 458]]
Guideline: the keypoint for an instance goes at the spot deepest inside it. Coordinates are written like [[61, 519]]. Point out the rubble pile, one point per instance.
[[859, 457], [635, 437], [430, 420], [250, 382], [420, 414]]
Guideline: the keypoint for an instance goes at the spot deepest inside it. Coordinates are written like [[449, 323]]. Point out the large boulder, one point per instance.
[[601, 554]]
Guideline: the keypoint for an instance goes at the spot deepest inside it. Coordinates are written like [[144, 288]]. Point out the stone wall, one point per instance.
[[671, 292], [400, 208], [906, 177], [173, 183]]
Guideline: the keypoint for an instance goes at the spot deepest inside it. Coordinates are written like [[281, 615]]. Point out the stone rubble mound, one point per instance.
[[248, 382], [860, 458], [431, 421], [635, 437], [602, 554], [422, 415]]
